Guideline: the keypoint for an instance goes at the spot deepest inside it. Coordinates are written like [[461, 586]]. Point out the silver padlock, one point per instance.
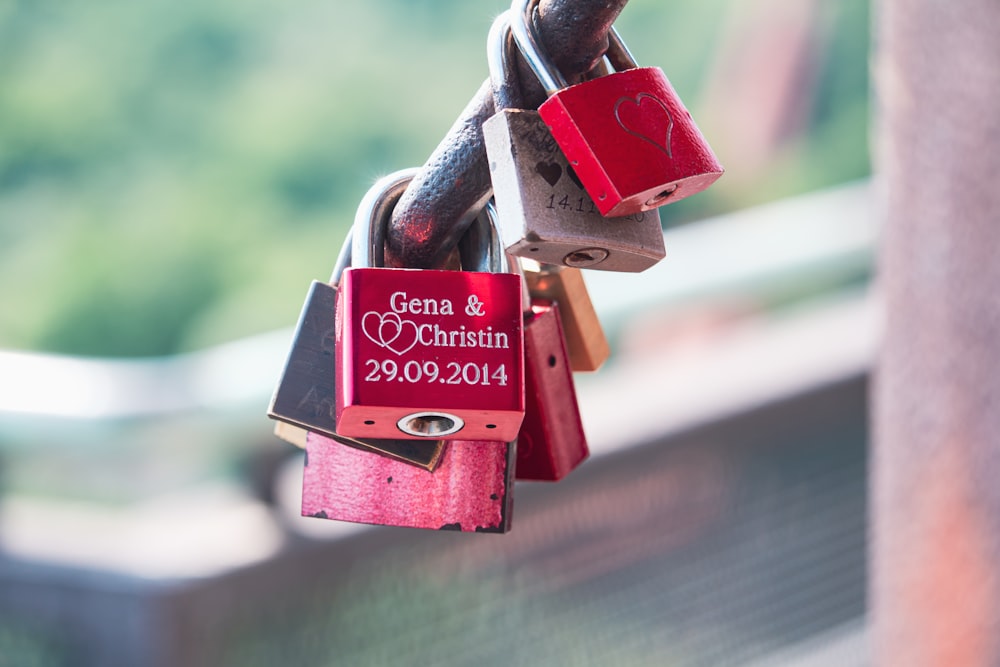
[[547, 215]]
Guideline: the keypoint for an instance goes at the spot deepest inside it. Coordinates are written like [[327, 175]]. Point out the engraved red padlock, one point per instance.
[[631, 141], [424, 353]]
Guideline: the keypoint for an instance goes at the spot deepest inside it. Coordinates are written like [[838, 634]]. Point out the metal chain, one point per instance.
[[454, 184]]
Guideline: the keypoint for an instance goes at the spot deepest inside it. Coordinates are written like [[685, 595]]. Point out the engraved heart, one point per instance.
[[390, 331], [550, 171], [371, 325], [646, 117]]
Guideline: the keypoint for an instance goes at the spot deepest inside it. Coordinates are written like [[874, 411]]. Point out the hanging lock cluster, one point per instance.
[[421, 395]]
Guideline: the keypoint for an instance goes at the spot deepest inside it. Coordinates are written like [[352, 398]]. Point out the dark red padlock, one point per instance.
[[470, 490], [425, 354], [628, 136], [551, 442]]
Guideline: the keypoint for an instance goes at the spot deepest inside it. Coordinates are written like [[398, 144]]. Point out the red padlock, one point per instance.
[[631, 141], [422, 353], [551, 442]]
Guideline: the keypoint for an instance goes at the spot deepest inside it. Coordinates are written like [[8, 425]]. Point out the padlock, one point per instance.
[[627, 135], [551, 442], [425, 353], [304, 395], [471, 489], [585, 341], [547, 215]]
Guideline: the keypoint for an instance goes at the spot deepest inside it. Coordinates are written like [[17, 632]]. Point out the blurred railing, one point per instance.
[[722, 516]]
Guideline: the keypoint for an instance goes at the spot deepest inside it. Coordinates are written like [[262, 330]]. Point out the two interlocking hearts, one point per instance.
[[390, 331]]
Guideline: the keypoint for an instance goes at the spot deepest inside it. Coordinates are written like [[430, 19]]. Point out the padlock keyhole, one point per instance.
[[666, 194], [585, 257], [430, 424]]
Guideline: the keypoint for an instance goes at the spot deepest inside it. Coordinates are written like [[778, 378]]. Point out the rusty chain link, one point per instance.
[[454, 184]]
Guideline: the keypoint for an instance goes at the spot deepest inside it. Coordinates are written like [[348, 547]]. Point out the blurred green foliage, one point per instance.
[[173, 174]]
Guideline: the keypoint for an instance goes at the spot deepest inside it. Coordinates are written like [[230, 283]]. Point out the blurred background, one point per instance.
[[172, 177]]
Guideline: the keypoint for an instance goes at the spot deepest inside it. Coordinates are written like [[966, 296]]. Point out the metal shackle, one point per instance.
[[389, 187], [364, 247], [483, 237], [480, 248], [528, 40], [515, 267], [343, 258], [372, 218], [502, 65]]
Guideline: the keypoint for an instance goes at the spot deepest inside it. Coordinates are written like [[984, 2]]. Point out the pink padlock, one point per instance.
[[628, 136], [470, 490], [425, 354]]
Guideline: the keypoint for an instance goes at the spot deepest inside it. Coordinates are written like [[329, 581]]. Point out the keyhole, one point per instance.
[[666, 194], [585, 257], [430, 424]]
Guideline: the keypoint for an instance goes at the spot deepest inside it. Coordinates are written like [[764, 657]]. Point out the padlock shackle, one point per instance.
[[618, 54], [496, 255], [502, 65], [514, 266], [372, 218], [343, 257], [485, 234], [481, 248], [528, 40]]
